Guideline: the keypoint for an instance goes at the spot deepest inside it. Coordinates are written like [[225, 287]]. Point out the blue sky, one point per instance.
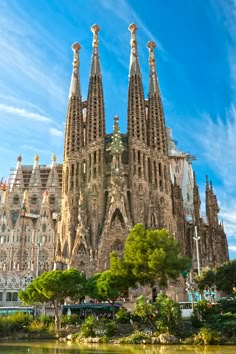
[[196, 51]]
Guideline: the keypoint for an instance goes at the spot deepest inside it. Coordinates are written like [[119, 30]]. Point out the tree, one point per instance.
[[54, 286], [145, 310], [206, 280], [223, 277], [152, 256], [226, 277], [106, 286], [168, 316]]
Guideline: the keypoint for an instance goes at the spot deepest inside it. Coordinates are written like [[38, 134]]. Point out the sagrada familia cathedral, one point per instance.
[[74, 214]]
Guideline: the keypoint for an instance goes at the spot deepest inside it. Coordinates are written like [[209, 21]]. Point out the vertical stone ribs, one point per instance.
[[74, 121], [136, 109], [74, 127], [95, 101], [157, 137], [212, 208], [136, 104]]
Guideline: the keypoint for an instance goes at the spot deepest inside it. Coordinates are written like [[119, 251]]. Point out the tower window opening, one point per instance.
[[160, 169], [149, 170]]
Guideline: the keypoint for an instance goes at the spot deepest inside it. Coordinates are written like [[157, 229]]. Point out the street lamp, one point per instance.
[[197, 238]]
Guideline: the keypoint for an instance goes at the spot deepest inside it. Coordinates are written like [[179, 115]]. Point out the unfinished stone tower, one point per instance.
[[111, 182]]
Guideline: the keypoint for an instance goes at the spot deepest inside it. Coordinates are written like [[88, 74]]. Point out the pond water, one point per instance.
[[60, 348]]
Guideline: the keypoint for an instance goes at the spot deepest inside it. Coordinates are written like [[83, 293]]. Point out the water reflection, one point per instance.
[[61, 348]]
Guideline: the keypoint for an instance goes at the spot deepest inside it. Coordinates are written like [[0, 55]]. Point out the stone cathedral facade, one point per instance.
[[75, 214]]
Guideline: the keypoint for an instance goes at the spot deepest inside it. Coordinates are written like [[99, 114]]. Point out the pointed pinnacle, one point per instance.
[[95, 29], [76, 47], [151, 45], [132, 28]]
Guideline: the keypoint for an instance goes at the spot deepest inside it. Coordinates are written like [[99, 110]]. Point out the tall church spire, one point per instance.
[[75, 81], [153, 83], [136, 103], [74, 138], [95, 102], [157, 136], [95, 65], [134, 63]]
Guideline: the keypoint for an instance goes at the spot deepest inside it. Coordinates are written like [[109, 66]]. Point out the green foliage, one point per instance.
[[204, 310], [110, 328], [106, 286], [123, 316], [227, 304], [37, 326], [152, 255], [50, 286], [14, 323], [206, 336], [88, 327], [47, 320], [226, 277], [168, 318], [144, 310], [69, 320], [223, 277], [214, 318], [164, 315], [137, 337], [206, 280]]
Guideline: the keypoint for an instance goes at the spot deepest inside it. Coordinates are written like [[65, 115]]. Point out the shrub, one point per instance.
[[37, 326], [47, 320], [69, 320], [110, 328], [14, 322], [206, 336], [205, 309], [88, 327], [123, 315], [136, 338], [144, 310], [168, 315]]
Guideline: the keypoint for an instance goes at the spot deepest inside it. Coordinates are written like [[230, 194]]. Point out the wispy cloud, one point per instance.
[[219, 145], [228, 214], [127, 14], [226, 13], [123, 14], [56, 132], [35, 149], [232, 248], [22, 51], [24, 113]]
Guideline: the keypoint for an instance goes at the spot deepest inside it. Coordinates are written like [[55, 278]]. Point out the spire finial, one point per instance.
[[151, 45], [95, 29], [19, 158], [54, 158], [76, 47], [134, 65], [153, 85], [133, 28], [75, 85], [36, 157]]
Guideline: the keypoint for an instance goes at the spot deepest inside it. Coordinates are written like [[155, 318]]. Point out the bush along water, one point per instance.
[[157, 322], [215, 323]]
